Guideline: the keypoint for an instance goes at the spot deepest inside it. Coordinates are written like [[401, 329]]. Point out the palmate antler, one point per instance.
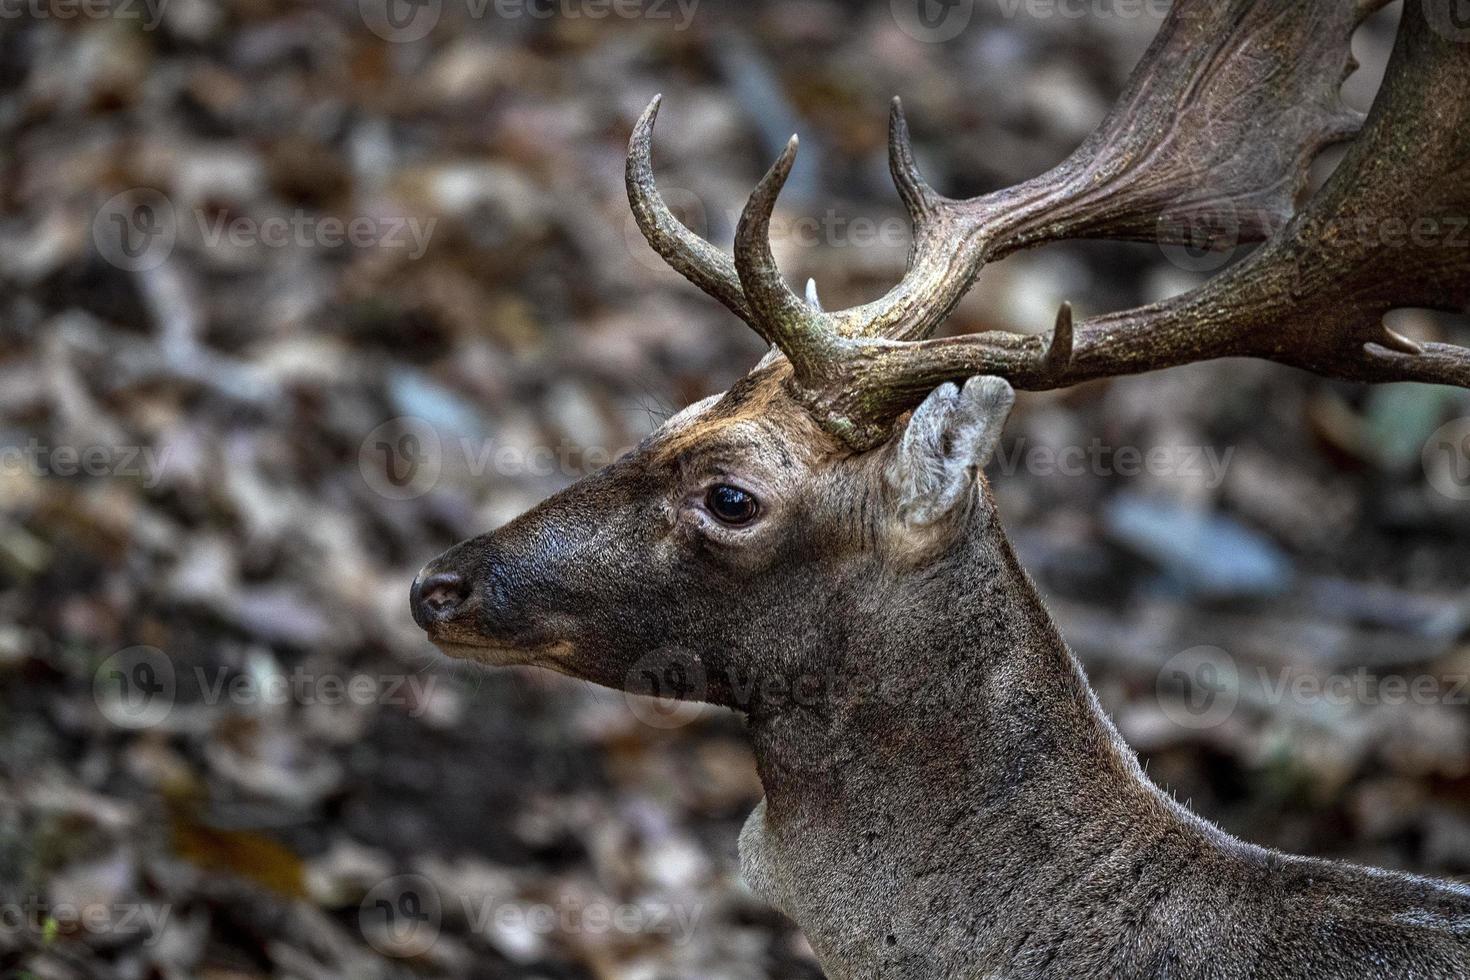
[[1209, 144]]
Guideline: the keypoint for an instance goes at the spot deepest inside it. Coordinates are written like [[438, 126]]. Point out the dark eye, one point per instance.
[[731, 504]]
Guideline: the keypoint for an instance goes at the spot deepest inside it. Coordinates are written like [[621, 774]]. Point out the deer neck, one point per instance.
[[966, 761]]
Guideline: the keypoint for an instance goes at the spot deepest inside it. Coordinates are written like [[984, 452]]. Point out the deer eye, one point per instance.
[[731, 504]]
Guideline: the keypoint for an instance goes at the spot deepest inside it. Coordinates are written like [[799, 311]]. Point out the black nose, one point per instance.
[[436, 598]]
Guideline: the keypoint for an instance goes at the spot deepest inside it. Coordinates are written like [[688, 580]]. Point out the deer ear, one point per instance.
[[948, 440]]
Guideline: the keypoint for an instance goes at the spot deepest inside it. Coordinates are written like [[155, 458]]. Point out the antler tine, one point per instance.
[[691, 256], [918, 197], [805, 335], [1058, 356]]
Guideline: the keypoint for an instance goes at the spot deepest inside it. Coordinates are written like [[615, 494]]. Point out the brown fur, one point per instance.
[[944, 797]]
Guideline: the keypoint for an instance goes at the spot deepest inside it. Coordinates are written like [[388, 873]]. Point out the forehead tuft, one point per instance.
[[757, 409]]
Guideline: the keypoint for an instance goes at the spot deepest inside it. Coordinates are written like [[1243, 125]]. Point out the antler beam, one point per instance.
[[1209, 145], [1390, 229]]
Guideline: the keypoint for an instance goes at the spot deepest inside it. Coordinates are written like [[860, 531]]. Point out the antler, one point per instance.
[[1214, 133]]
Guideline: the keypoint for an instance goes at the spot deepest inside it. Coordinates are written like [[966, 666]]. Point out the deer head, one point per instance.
[[811, 478], [692, 546]]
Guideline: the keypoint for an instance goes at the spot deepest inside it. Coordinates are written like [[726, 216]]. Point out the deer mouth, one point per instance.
[[552, 656]]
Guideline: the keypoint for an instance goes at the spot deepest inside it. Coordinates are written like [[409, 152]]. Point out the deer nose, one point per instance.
[[436, 598]]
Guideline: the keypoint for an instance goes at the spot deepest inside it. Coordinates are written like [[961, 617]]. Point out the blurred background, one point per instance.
[[293, 295]]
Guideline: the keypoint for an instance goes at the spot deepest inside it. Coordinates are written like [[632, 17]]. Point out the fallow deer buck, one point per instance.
[[947, 799]]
